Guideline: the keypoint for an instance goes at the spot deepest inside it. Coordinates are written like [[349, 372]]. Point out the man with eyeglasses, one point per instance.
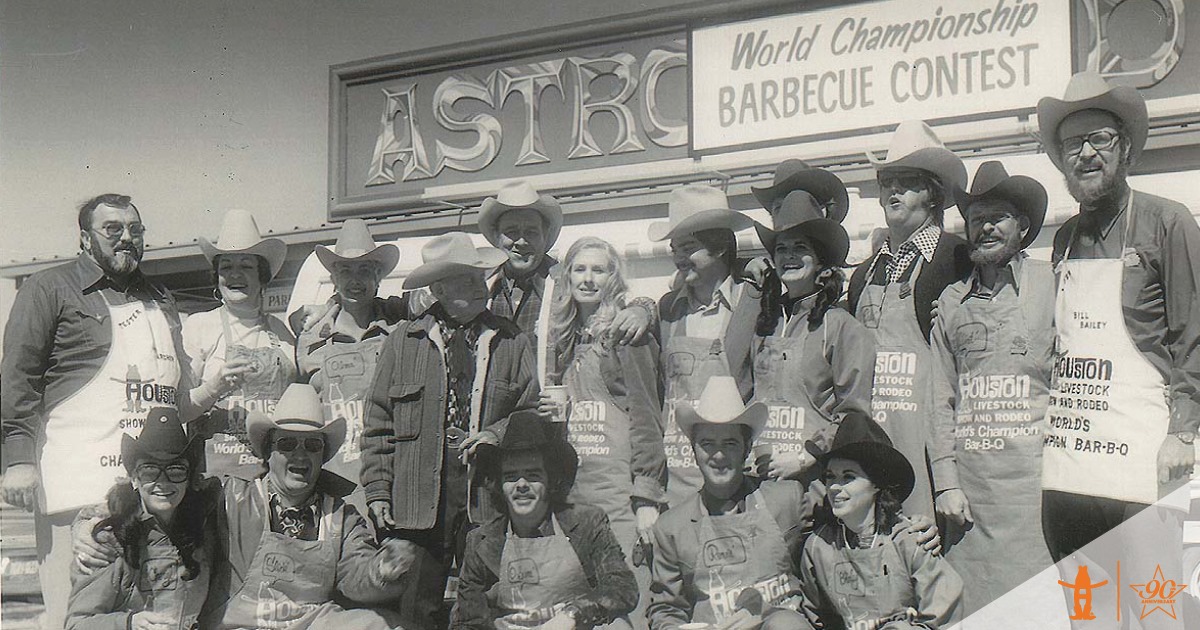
[[1128, 338], [892, 293], [90, 347]]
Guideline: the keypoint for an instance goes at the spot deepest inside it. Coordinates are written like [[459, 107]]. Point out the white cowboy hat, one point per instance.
[[240, 235], [916, 146], [451, 254], [721, 403], [520, 194], [354, 243], [298, 409], [694, 208], [1089, 90]]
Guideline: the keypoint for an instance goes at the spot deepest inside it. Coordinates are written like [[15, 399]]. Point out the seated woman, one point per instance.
[[542, 563], [161, 521], [813, 361], [865, 567], [614, 392]]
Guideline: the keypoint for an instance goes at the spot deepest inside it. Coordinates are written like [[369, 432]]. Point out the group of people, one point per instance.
[[764, 445]]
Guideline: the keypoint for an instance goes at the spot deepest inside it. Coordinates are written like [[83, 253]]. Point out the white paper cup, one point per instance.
[[558, 393]]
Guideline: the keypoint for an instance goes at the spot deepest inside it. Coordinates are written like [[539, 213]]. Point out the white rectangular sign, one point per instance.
[[874, 64]]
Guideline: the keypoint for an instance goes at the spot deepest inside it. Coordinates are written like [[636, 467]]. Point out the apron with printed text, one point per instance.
[[290, 582], [779, 384], [81, 457], [872, 587], [688, 363], [538, 578], [739, 552], [1003, 351], [902, 394], [599, 431], [344, 381], [161, 586], [1108, 411], [228, 450]]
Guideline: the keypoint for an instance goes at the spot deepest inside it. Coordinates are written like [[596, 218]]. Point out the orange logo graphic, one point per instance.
[[1158, 594], [1083, 594]]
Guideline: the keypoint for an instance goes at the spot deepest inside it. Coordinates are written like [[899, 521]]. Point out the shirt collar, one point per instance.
[[1010, 273], [91, 276], [723, 295]]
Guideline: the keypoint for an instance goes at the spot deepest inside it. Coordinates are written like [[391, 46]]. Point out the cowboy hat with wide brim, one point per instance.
[[696, 208], [299, 409], [529, 430], [354, 244], [860, 439], [792, 175], [239, 235], [1089, 90], [915, 146], [721, 404], [802, 213], [451, 254], [514, 196], [162, 440], [1027, 196]]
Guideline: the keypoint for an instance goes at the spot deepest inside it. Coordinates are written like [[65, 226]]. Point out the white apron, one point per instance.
[[81, 458], [1108, 411]]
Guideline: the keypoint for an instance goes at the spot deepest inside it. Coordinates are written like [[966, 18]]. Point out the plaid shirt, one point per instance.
[[923, 242]]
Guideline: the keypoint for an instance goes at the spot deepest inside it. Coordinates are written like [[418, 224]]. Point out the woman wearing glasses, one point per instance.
[[242, 357], [160, 520], [615, 396]]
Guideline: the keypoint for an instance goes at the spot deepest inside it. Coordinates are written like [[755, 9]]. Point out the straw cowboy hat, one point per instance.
[[516, 195], [992, 181], [803, 213], [354, 244], [861, 439], [450, 254], [1089, 90], [529, 430], [721, 403], [162, 440], [240, 235], [915, 146], [298, 409], [825, 187], [694, 208]]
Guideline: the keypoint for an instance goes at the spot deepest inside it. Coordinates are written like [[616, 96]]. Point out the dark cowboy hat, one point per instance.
[[1089, 90], [354, 243], [915, 146], [162, 440], [860, 439], [825, 187], [529, 430], [992, 181], [520, 194], [803, 213]]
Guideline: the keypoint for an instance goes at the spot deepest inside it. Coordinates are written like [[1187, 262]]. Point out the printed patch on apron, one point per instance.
[[971, 337], [524, 571], [346, 364], [681, 363], [723, 552], [280, 567], [846, 580], [159, 574], [870, 315]]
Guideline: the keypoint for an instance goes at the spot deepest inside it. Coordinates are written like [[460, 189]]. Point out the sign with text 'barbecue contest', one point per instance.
[[873, 64]]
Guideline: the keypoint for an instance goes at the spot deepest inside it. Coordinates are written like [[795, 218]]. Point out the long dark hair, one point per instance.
[[185, 531], [830, 281]]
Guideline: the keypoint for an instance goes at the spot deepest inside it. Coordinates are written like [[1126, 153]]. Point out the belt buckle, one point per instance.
[[455, 437]]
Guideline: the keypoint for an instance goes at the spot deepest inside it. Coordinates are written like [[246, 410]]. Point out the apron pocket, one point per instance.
[[406, 409]]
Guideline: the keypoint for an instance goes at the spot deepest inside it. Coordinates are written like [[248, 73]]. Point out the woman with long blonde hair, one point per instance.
[[614, 393]]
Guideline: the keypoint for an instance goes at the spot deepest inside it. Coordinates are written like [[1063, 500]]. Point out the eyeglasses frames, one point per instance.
[[289, 444], [1100, 140], [150, 473]]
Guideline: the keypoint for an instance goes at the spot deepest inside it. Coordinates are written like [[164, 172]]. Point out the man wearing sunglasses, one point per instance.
[[1128, 273], [90, 347], [290, 543]]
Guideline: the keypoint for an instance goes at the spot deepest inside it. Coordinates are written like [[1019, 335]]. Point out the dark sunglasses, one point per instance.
[[1100, 140], [904, 182], [150, 473], [289, 444]]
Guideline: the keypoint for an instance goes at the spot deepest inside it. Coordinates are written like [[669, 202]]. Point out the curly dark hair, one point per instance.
[[185, 531], [557, 472], [887, 510], [830, 283]]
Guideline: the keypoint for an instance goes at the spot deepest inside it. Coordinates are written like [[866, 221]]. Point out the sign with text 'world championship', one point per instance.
[[874, 64]]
